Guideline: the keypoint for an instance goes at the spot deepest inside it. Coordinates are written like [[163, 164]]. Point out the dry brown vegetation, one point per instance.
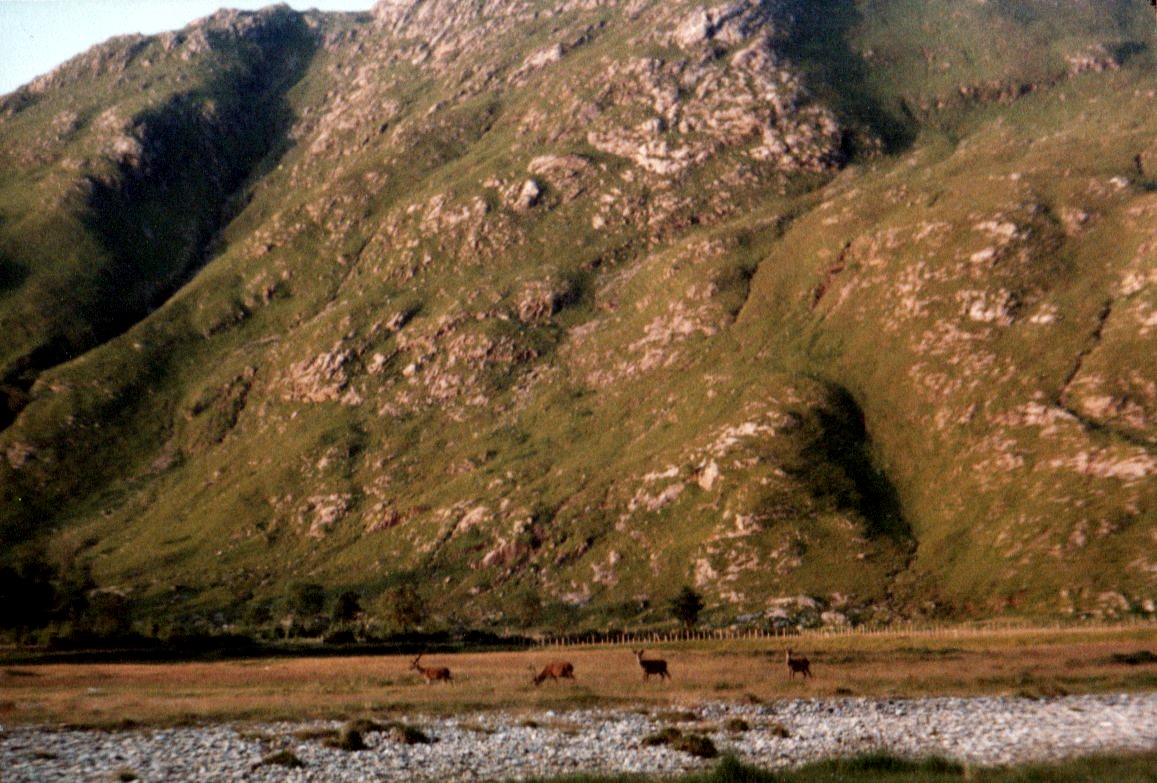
[[900, 665]]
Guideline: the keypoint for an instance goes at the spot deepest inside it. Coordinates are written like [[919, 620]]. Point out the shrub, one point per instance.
[[736, 725], [694, 744], [408, 735], [677, 716], [366, 725], [343, 636], [348, 738], [282, 758], [697, 745], [663, 737], [308, 733]]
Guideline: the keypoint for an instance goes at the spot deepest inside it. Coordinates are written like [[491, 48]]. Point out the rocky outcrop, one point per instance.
[[747, 99]]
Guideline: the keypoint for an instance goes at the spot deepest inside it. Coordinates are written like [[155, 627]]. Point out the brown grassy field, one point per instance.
[[897, 665]]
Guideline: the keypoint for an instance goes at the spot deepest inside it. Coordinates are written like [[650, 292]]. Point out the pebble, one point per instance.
[[981, 731]]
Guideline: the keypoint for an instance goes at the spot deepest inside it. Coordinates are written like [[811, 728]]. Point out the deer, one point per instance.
[[652, 666], [431, 673], [554, 671], [797, 665]]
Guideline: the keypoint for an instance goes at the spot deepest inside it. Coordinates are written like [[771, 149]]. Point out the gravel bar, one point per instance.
[[498, 746]]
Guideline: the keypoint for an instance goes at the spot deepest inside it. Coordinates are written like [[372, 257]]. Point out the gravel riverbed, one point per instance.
[[497, 746]]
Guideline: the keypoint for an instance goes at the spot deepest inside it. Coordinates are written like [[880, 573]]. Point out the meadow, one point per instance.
[[1029, 663]]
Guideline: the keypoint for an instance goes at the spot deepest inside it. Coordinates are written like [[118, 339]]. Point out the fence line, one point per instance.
[[938, 631]]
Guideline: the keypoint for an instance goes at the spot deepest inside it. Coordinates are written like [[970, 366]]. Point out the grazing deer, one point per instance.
[[553, 671], [652, 666], [797, 665], [431, 673]]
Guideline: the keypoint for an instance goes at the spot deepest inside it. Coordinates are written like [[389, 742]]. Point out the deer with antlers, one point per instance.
[[554, 671], [431, 673], [652, 666], [799, 664]]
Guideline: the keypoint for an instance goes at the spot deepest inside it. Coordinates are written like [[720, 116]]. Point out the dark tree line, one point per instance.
[[36, 593]]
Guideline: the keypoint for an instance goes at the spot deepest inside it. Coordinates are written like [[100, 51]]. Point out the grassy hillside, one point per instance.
[[834, 311]]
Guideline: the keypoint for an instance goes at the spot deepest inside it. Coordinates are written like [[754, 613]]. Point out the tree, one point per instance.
[[307, 599], [27, 595], [686, 607], [407, 607], [72, 591], [347, 607], [109, 614]]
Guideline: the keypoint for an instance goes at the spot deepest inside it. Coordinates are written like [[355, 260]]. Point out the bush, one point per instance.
[[282, 758], [352, 735], [348, 738], [408, 735], [366, 725], [697, 745], [344, 636], [677, 716], [664, 737], [694, 744], [309, 733]]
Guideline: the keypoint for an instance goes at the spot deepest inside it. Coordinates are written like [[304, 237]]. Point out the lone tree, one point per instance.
[[686, 607]]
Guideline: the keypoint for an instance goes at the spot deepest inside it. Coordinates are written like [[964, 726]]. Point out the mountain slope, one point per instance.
[[548, 310]]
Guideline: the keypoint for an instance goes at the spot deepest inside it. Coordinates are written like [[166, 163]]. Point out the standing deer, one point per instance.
[[431, 673], [554, 671], [652, 666], [797, 665]]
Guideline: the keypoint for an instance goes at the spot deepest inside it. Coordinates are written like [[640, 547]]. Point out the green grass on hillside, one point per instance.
[[916, 385]]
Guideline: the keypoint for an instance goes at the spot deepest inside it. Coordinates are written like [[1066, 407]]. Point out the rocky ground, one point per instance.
[[495, 746]]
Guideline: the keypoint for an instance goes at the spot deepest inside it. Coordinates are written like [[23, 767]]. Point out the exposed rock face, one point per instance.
[[322, 512], [320, 379], [748, 102], [528, 195]]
